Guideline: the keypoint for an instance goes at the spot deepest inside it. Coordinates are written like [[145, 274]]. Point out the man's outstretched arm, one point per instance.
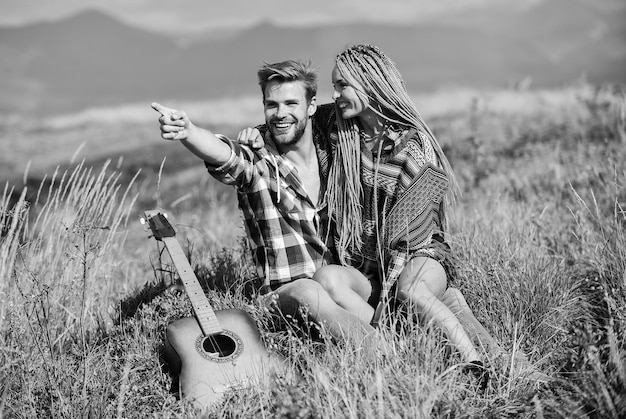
[[176, 126]]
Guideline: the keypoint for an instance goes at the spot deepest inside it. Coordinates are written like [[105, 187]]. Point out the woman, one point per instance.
[[388, 191]]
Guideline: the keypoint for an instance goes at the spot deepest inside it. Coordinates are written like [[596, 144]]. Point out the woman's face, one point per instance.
[[346, 97]]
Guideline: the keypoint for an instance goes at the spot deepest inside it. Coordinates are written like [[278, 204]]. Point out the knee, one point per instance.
[[422, 279], [330, 279], [301, 291], [413, 290]]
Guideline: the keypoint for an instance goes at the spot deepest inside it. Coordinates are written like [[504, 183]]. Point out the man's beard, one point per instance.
[[300, 127]]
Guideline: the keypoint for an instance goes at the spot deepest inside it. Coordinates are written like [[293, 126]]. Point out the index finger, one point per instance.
[[162, 109]]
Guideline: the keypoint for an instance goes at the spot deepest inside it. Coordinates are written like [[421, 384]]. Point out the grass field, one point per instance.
[[539, 233]]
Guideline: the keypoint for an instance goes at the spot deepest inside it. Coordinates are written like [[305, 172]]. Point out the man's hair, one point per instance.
[[289, 71]]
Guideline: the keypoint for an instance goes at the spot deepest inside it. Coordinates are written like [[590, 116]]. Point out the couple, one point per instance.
[[345, 203]]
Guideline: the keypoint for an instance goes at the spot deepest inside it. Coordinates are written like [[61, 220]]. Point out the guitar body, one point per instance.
[[210, 365], [213, 351]]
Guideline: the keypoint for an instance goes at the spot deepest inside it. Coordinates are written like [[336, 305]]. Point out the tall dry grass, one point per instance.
[[60, 258], [539, 235]]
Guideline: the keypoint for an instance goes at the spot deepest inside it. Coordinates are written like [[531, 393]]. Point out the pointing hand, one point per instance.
[[174, 123]]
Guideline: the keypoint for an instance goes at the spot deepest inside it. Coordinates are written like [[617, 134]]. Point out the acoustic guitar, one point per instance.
[[216, 350]]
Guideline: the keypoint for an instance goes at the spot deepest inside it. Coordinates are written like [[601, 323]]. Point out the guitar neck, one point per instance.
[[201, 307]]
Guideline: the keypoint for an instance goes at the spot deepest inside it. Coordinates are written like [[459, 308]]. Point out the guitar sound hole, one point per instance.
[[221, 347]]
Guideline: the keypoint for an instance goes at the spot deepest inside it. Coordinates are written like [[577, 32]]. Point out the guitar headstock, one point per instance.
[[158, 223]]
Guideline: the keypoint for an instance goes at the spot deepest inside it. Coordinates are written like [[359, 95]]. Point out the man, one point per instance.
[[281, 189]]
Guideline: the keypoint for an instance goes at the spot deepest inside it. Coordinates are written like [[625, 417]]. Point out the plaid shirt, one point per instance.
[[287, 232]]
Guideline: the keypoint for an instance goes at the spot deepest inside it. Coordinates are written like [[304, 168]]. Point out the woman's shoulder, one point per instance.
[[325, 123], [421, 143], [417, 136]]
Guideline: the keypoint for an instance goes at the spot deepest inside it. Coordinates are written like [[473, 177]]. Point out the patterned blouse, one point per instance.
[[403, 190]]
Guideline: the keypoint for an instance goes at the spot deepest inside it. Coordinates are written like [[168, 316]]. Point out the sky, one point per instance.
[[196, 15]]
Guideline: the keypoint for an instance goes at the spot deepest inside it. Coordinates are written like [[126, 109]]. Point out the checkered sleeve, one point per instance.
[[397, 262], [239, 170]]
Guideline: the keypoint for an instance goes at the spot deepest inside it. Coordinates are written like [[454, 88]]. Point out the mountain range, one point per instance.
[[91, 59]]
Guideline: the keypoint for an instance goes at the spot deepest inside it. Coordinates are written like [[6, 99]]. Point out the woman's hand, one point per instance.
[[250, 137]]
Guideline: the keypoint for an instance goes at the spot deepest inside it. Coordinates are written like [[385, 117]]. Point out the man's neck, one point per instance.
[[304, 157], [302, 153]]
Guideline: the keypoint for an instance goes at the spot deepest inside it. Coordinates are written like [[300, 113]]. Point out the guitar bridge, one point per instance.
[[235, 385]]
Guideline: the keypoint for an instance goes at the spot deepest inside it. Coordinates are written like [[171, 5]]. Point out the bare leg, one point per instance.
[[455, 301], [321, 308], [453, 298], [422, 282], [349, 288]]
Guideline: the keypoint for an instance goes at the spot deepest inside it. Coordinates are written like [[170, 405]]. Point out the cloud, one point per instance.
[[189, 15]]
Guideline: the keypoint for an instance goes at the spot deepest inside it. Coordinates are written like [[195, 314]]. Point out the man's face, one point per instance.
[[287, 111]]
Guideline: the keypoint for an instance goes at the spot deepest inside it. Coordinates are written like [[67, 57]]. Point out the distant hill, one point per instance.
[[91, 59]]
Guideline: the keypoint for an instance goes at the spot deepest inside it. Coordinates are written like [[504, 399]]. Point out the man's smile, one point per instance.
[[282, 126]]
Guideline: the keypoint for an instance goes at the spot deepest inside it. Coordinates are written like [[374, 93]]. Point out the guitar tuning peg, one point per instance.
[[142, 220]]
